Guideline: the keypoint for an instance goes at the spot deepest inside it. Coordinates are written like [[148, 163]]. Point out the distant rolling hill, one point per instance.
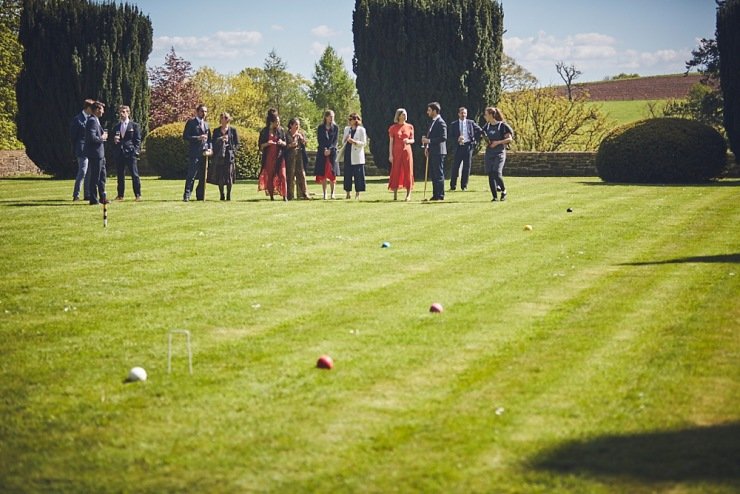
[[675, 86]]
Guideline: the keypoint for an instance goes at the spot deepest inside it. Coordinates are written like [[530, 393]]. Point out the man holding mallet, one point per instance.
[[436, 150]]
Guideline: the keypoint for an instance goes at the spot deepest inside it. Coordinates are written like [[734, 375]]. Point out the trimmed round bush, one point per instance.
[[167, 152], [662, 150]]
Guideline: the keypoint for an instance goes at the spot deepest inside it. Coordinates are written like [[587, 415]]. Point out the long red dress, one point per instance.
[[402, 168], [273, 179]]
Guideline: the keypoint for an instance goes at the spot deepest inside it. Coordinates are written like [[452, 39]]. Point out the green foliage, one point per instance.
[[622, 76], [286, 92], [75, 50], [514, 77], [239, 95], [662, 150], [703, 104], [10, 65], [248, 160], [545, 121], [333, 87], [409, 53], [174, 94], [728, 44], [167, 152]]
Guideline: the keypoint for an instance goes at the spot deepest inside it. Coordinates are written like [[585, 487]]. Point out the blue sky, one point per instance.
[[601, 37]]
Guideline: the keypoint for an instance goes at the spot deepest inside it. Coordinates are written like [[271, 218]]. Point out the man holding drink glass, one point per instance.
[[127, 144]]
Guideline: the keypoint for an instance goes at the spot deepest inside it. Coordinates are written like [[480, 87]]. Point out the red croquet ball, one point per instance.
[[436, 307], [325, 362]]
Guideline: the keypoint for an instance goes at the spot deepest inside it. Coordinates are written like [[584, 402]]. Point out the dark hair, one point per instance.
[[496, 112], [88, 103], [98, 105], [272, 116], [200, 107], [435, 106], [461, 109], [292, 121]]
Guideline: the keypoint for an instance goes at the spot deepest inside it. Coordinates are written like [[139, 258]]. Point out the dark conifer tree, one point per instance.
[[728, 44], [76, 49], [411, 52]]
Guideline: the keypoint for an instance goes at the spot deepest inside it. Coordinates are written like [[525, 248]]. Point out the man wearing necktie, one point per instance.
[[95, 137], [465, 134], [77, 134], [198, 136], [127, 143], [436, 150]]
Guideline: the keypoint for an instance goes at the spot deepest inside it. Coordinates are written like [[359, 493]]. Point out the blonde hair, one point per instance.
[[399, 112]]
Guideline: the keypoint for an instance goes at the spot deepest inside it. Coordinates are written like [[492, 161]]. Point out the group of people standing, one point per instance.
[[221, 144], [88, 143], [284, 159], [465, 134]]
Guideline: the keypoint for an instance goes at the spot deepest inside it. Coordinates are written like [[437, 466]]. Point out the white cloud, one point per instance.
[[317, 49], [323, 31], [595, 54], [221, 45]]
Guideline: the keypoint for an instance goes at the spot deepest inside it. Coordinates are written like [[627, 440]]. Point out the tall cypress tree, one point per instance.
[[728, 44], [411, 52], [75, 49]]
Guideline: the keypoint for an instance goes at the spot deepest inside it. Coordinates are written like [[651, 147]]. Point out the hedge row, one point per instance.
[[167, 152], [662, 150]]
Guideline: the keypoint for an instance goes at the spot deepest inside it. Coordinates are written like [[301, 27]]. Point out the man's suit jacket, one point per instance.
[[438, 137], [129, 146], [94, 144], [474, 131], [192, 133], [77, 134]]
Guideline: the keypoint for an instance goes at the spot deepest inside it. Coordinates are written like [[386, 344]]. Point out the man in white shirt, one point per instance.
[[465, 134]]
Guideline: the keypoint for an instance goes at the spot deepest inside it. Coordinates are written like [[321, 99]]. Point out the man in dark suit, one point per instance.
[[126, 147], [436, 150], [77, 134], [198, 136], [95, 137], [465, 134]]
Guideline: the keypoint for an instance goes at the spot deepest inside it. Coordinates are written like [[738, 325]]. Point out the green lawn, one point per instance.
[[598, 352], [623, 112]]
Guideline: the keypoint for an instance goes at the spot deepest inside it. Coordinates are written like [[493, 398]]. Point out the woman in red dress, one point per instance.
[[272, 144], [399, 154]]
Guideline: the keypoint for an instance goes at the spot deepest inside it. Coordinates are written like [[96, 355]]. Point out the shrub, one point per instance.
[[167, 152], [662, 150]]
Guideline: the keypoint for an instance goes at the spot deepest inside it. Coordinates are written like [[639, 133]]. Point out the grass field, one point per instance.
[[623, 112], [597, 352]]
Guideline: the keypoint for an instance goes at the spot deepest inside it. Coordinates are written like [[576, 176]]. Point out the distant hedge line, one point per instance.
[[167, 153]]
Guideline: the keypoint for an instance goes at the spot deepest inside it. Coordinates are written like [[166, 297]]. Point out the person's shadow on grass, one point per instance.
[[697, 454], [719, 258]]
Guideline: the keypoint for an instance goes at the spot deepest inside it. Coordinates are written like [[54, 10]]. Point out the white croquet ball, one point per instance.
[[137, 374]]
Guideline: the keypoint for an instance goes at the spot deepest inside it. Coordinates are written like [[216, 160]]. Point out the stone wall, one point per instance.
[[16, 163], [544, 164], [517, 165]]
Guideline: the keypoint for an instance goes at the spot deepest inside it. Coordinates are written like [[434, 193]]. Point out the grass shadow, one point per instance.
[[719, 258], [41, 202], [727, 182], [710, 454]]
